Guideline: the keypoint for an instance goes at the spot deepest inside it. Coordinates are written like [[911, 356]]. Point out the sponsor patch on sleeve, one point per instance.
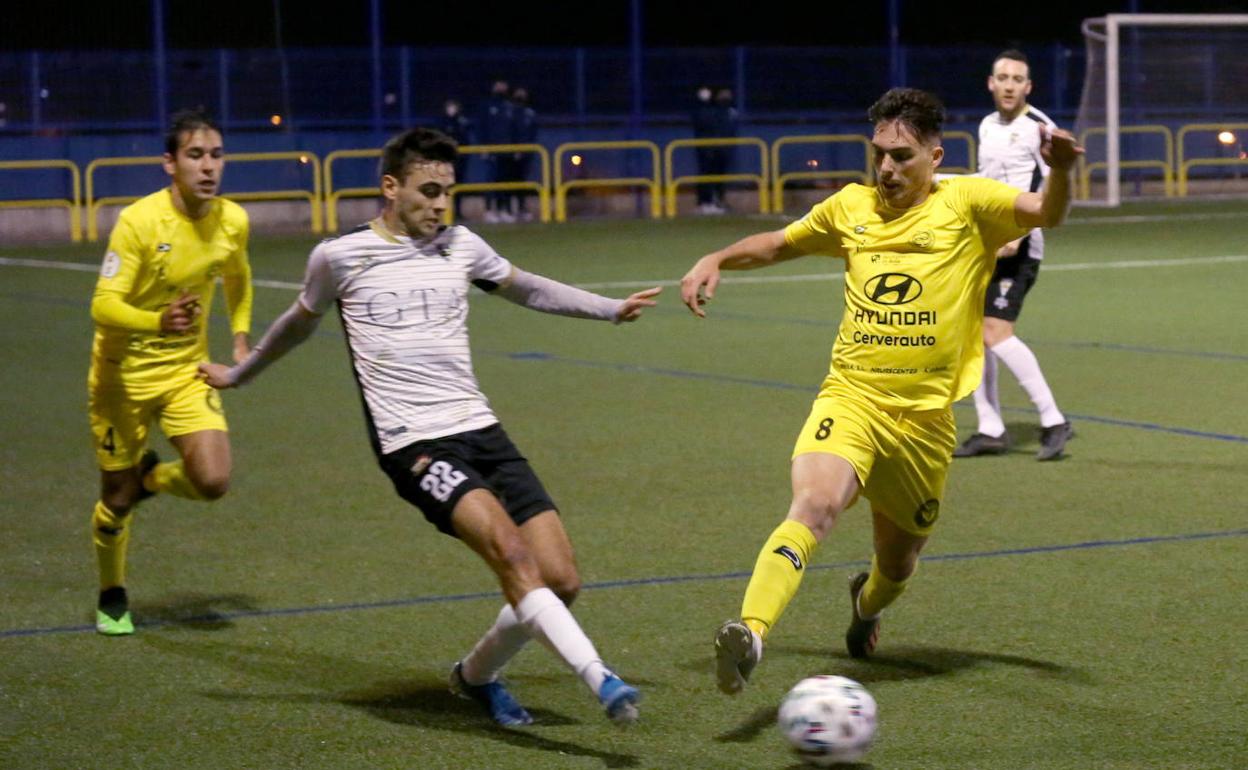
[[111, 266]]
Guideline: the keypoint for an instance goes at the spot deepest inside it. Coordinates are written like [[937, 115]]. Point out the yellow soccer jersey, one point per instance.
[[156, 253], [911, 336]]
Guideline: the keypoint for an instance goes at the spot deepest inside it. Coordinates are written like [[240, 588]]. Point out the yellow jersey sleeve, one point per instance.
[[118, 275], [818, 231], [236, 277], [991, 203]]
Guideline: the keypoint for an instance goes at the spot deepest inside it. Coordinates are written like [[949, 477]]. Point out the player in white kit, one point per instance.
[[400, 285], [1009, 151]]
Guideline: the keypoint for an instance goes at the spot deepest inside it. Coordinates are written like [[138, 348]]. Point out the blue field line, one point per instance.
[[1148, 350], [632, 583], [812, 389]]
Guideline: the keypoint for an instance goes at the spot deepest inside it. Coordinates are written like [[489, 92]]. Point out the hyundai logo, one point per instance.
[[893, 289]]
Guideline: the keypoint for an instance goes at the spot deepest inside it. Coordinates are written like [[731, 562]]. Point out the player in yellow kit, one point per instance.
[[919, 254], [150, 309]]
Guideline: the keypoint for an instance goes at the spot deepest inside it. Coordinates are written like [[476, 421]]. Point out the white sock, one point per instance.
[[1023, 364], [494, 650], [987, 401], [550, 622]]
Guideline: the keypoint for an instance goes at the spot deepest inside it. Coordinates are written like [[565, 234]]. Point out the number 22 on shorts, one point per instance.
[[441, 479]]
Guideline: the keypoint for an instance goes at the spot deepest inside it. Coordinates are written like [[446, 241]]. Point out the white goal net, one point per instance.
[[1164, 111]]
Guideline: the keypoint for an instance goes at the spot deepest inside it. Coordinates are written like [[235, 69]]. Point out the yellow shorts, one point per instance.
[[121, 412], [901, 458]]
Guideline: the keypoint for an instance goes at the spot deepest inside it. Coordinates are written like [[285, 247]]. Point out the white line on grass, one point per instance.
[[1050, 267]]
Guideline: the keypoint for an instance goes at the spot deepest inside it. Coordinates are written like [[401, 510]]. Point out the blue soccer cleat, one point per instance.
[[620, 699], [502, 708]]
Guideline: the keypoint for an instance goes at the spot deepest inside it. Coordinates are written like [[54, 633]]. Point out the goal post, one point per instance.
[[1170, 58]]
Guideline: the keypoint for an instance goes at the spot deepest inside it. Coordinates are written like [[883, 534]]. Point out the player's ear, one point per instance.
[[167, 161], [938, 155], [389, 187]]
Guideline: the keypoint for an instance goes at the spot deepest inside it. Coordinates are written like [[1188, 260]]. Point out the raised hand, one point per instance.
[[1059, 148], [633, 306]]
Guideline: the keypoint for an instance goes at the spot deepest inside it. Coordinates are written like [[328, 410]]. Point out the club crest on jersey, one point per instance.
[[923, 239], [791, 555], [860, 229], [164, 246]]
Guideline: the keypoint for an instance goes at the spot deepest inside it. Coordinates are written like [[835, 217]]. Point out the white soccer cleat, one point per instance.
[[737, 651]]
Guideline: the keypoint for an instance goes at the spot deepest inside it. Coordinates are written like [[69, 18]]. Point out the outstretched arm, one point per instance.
[[758, 250], [549, 296], [289, 330], [1048, 207]]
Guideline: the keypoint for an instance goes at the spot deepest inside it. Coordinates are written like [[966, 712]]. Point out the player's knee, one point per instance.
[[212, 486], [566, 585], [813, 504], [512, 556], [120, 493], [119, 503]]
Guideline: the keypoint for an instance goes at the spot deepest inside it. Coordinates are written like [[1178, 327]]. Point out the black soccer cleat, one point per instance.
[[1053, 441], [862, 635], [983, 444]]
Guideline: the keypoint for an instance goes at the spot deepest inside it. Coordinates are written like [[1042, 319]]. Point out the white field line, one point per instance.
[[1049, 267]]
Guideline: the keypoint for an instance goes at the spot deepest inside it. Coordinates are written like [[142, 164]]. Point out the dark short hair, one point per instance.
[[921, 111], [413, 146], [1012, 54], [187, 121]]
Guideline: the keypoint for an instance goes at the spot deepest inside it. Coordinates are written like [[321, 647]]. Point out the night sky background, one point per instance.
[[70, 24]]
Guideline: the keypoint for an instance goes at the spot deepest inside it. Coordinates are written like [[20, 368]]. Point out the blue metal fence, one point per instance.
[[359, 88]]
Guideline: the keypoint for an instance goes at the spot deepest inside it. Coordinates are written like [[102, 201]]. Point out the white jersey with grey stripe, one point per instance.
[[1009, 151], [404, 308]]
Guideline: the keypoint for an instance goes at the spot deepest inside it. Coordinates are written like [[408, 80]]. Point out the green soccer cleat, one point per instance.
[[110, 626], [112, 615]]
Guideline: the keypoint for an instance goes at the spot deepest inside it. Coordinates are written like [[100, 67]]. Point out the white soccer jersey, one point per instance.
[[1009, 151], [404, 308]]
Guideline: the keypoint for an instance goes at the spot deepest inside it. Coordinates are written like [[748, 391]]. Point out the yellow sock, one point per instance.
[[172, 478], [777, 574], [111, 534], [879, 592]]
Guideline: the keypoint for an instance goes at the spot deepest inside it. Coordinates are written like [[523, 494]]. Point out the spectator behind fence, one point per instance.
[[495, 128], [724, 123], [704, 128], [523, 131], [457, 126]]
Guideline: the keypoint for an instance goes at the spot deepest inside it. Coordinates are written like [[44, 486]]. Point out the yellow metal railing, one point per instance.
[[1166, 164], [542, 188], [332, 196], [780, 179], [313, 196], [74, 205], [652, 183], [672, 183], [971, 158], [1184, 165]]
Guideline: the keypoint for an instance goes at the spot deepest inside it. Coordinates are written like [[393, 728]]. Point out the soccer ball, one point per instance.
[[828, 720]]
